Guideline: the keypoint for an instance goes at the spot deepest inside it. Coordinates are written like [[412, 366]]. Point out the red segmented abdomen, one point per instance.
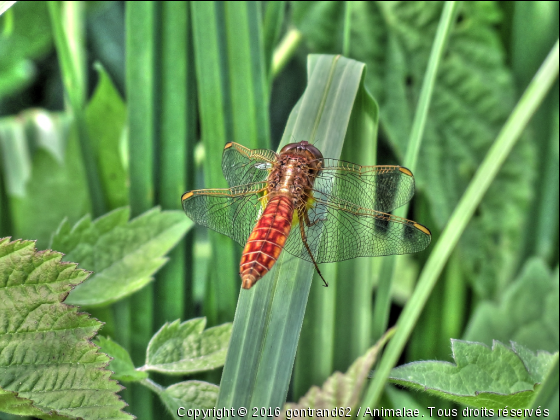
[[266, 241]]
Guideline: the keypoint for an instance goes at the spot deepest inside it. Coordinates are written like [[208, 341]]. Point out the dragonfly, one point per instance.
[[318, 209]]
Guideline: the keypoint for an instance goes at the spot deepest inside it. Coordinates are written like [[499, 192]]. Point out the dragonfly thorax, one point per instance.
[[293, 176]]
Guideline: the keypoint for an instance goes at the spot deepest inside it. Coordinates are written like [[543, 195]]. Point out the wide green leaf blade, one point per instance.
[[482, 377], [269, 316], [123, 256], [45, 353], [186, 348], [336, 328]]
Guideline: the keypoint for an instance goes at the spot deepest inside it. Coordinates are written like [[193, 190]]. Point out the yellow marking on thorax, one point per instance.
[[263, 198]]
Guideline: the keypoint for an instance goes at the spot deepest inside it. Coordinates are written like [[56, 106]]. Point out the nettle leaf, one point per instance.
[[527, 312], [189, 395], [473, 96], [482, 377], [340, 389], [47, 363], [123, 256], [180, 349], [121, 365]]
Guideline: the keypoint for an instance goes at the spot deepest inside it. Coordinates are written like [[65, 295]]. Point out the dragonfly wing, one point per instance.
[[230, 211], [343, 231], [241, 165], [381, 188]]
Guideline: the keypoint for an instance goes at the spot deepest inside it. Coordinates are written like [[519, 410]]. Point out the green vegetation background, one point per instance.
[[155, 90]]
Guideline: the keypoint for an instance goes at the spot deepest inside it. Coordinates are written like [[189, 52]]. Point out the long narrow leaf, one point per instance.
[[176, 144], [140, 79], [383, 298], [336, 329], [73, 77], [269, 316], [233, 100]]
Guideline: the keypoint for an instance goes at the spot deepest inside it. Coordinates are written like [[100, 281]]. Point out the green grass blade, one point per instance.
[[176, 143], [209, 49], [354, 288], [248, 83], [269, 316], [70, 56], [547, 398], [233, 104], [419, 123], [487, 171], [347, 26], [140, 78], [285, 50], [272, 25], [383, 295], [534, 30]]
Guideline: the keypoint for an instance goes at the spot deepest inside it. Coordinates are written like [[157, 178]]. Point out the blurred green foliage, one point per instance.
[[218, 83]]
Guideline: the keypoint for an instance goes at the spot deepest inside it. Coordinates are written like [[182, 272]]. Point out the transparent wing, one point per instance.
[[341, 231], [381, 188], [230, 211], [241, 165]]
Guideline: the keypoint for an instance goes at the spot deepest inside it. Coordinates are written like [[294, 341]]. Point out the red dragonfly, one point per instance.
[[340, 208]]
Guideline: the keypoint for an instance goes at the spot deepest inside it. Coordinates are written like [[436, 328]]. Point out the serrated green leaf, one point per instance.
[[121, 365], [45, 353], [123, 256], [106, 119], [190, 395], [11, 403], [340, 389], [527, 312], [482, 377], [186, 348]]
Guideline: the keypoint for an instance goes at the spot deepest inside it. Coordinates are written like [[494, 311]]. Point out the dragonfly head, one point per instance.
[[303, 148]]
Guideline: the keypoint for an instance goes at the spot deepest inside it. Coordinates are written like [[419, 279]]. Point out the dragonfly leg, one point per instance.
[[304, 239], [311, 223]]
